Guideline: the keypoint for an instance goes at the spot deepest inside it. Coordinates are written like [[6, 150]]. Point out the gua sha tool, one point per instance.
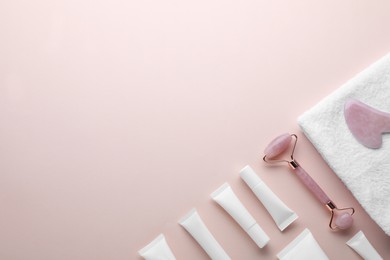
[[366, 123], [340, 218]]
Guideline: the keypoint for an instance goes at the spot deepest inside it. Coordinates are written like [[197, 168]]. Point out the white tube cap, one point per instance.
[[250, 177], [258, 235]]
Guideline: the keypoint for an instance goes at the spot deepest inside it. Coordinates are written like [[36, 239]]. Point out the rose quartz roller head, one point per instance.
[[340, 218]]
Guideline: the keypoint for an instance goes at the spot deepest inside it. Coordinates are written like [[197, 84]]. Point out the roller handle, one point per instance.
[[311, 185]]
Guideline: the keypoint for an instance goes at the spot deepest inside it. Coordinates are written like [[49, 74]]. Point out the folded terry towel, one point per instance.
[[365, 171]]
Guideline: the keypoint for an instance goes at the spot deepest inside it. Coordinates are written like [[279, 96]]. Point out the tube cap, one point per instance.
[[258, 235], [250, 177]]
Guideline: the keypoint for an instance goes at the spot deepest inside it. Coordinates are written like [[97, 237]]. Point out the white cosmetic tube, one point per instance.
[[363, 247], [157, 249], [282, 215], [199, 231], [304, 246], [226, 198]]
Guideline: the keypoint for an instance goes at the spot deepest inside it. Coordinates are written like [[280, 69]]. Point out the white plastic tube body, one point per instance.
[[199, 231], [226, 198], [363, 247], [304, 246], [157, 249], [282, 215]]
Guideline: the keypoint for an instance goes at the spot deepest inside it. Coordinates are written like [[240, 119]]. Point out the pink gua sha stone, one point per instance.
[[366, 123], [340, 218]]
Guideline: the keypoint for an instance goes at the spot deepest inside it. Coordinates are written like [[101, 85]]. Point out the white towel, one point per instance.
[[365, 171]]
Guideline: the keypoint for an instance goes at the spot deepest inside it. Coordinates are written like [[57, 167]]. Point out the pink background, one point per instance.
[[117, 117]]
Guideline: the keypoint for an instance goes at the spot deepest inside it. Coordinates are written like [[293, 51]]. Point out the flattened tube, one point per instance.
[[363, 247], [199, 231], [228, 200], [281, 214], [157, 249]]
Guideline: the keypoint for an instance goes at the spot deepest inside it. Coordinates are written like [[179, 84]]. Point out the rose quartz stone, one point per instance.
[[278, 145], [366, 123], [312, 185], [343, 220]]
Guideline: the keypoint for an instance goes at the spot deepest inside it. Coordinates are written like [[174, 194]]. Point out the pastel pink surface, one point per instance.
[[366, 123], [117, 117]]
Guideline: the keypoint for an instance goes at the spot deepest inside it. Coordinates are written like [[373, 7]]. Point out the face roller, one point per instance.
[[340, 218]]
